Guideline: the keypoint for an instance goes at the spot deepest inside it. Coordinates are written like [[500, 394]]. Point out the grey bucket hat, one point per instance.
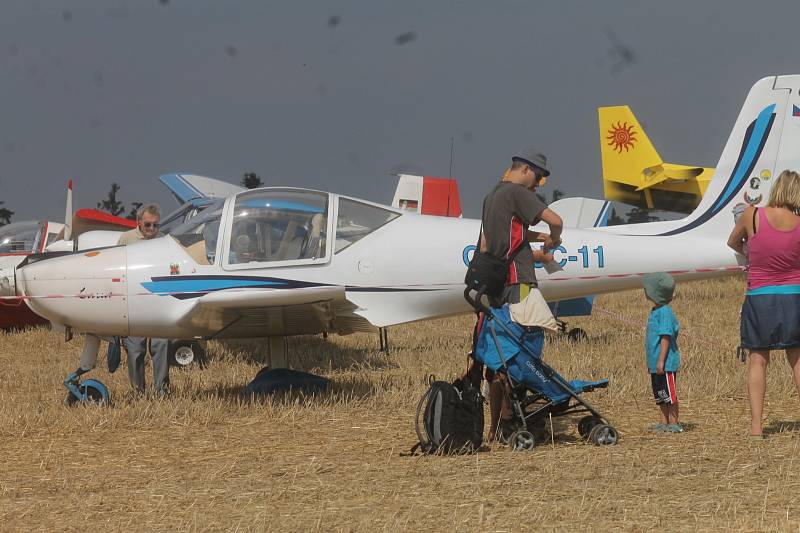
[[659, 287], [533, 157]]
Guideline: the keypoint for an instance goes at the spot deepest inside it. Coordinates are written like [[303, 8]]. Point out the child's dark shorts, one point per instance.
[[665, 388]]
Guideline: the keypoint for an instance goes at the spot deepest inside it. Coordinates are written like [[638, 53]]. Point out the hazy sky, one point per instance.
[[322, 95]]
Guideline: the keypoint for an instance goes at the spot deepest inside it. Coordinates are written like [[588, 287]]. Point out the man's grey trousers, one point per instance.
[[136, 347]]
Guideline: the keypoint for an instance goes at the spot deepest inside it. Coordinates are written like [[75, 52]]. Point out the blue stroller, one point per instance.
[[536, 391]]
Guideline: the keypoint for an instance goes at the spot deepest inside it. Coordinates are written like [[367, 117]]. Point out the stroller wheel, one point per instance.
[[586, 424], [522, 439], [604, 435]]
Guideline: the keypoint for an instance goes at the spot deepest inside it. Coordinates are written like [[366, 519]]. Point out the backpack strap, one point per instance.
[[755, 212]]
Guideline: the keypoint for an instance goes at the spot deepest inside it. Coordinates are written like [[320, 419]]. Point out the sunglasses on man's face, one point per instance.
[[537, 174], [151, 224]]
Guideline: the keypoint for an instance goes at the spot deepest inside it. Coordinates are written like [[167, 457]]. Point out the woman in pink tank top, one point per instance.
[[771, 310]]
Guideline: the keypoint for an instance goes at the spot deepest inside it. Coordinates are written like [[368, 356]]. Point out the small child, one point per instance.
[[661, 348]]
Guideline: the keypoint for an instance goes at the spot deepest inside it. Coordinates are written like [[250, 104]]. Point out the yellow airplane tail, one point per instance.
[[634, 173], [625, 149]]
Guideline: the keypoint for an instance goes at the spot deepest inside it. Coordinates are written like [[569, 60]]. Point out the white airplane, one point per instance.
[[286, 261]]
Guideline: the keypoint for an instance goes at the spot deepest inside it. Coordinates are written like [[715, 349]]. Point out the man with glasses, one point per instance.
[[508, 210], [148, 222]]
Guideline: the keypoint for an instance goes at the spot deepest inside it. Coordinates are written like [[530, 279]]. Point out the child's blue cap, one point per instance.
[[659, 287]]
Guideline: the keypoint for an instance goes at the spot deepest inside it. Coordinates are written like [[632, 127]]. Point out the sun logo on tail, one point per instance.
[[621, 136]]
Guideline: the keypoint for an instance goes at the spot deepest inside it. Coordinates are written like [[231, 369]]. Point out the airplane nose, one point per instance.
[[85, 290]]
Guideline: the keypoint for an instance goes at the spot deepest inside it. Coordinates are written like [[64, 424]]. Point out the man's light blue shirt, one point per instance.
[[662, 321]]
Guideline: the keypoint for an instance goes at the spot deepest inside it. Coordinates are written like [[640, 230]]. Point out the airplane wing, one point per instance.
[[188, 187], [241, 312], [427, 195]]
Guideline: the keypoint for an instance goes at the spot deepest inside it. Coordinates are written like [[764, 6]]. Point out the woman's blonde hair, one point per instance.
[[786, 191]]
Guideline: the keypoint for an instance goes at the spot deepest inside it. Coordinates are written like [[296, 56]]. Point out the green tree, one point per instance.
[[5, 215], [134, 210], [251, 180], [111, 204]]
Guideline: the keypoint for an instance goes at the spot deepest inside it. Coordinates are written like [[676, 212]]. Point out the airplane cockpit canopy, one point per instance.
[[278, 225], [19, 237]]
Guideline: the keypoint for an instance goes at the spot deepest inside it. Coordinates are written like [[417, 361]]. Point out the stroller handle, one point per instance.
[[477, 301]]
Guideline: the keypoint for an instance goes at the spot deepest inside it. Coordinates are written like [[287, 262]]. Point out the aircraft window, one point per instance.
[[18, 237], [206, 225], [278, 225], [51, 238], [356, 220]]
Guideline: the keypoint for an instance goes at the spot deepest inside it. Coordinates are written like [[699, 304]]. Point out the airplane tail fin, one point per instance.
[[427, 195], [632, 167], [187, 187], [625, 150], [764, 141]]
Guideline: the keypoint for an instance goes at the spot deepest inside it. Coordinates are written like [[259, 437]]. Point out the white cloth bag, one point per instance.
[[533, 311]]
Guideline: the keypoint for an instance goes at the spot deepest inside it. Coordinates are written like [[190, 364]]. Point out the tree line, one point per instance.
[[116, 207], [251, 180]]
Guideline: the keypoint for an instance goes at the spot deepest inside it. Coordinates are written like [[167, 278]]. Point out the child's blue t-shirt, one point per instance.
[[662, 321]]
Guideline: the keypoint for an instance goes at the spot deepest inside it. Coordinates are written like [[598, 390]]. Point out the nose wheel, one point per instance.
[[89, 392]]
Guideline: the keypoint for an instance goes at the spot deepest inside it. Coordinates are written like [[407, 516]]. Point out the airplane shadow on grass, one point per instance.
[[348, 389], [310, 353]]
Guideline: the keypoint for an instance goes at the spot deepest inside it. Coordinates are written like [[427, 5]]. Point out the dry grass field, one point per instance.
[[205, 459]]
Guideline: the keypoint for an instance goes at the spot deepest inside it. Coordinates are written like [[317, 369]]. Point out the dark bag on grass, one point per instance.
[[449, 419]]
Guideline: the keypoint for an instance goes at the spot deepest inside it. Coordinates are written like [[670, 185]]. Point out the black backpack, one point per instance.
[[449, 419]]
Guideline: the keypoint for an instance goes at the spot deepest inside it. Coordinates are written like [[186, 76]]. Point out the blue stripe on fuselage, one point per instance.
[[200, 285], [752, 146], [740, 173]]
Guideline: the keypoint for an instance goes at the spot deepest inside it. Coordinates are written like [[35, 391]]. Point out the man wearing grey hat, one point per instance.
[[508, 210]]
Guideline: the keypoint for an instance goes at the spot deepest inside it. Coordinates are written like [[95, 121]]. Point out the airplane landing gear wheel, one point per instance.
[[93, 393], [185, 353]]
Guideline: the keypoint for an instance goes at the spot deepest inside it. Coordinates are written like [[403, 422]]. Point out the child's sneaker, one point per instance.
[[659, 428], [674, 428]]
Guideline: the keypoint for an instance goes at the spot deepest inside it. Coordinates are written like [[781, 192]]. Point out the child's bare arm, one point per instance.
[[662, 354]]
